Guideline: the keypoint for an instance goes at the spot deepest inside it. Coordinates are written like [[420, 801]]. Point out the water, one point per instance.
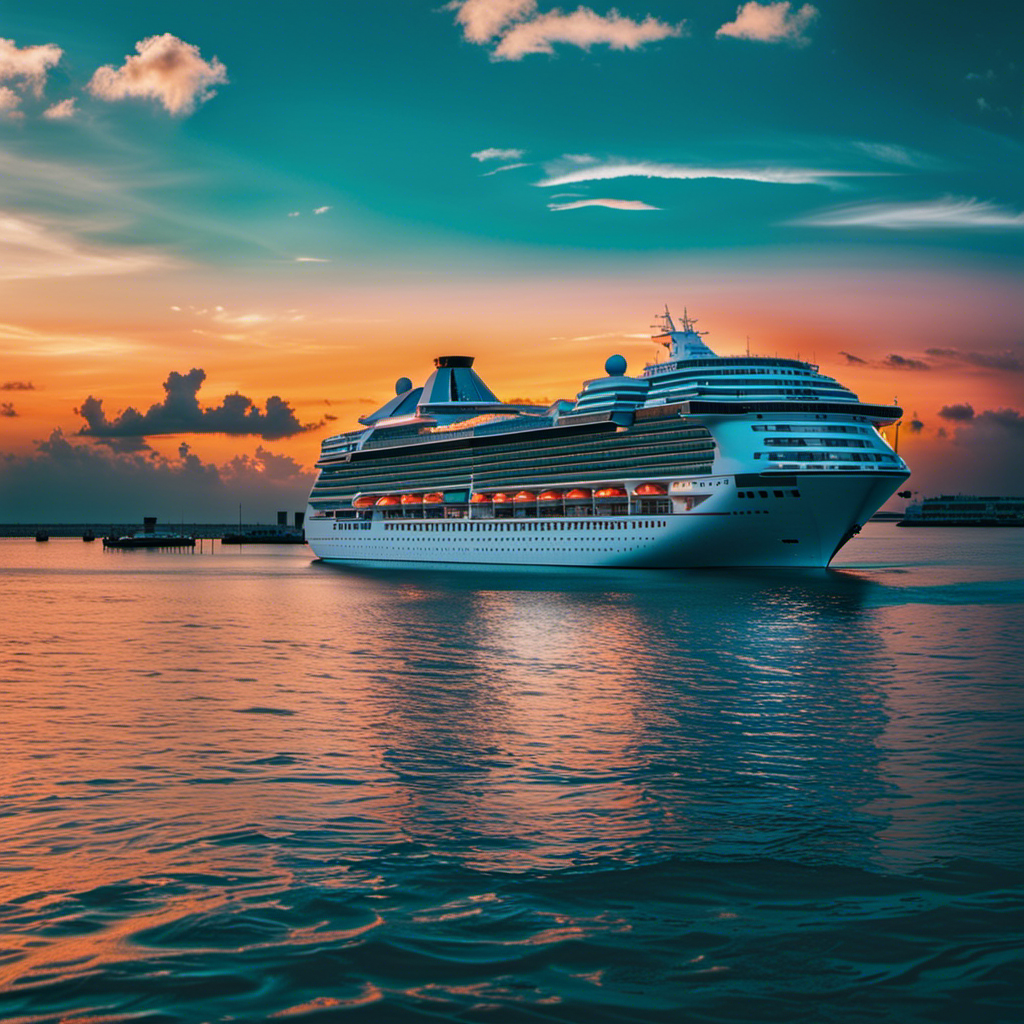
[[245, 785]]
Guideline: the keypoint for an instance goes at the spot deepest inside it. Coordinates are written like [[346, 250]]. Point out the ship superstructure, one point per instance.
[[701, 460]]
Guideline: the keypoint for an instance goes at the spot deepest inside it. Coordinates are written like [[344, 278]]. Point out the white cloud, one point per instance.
[[294, 213], [647, 169], [583, 28], [30, 64], [889, 153], [771, 23], [948, 212], [482, 20], [310, 259], [167, 70], [10, 101], [520, 29], [321, 209], [33, 249], [497, 154], [61, 111], [506, 167], [611, 204]]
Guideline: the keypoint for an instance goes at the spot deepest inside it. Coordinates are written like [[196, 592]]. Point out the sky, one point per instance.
[[227, 228]]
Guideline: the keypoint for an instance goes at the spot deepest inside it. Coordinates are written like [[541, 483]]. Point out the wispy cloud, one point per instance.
[[30, 64], [320, 210], [294, 213], [648, 169], [611, 204], [889, 153], [521, 29], [62, 111], [505, 167], [34, 249], [771, 23], [949, 212], [167, 70], [497, 154], [311, 259]]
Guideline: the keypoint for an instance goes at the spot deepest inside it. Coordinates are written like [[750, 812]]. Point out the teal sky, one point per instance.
[[275, 192], [374, 110]]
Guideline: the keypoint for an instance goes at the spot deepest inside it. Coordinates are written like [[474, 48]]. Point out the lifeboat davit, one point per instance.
[[434, 498], [577, 494], [389, 499], [610, 492], [479, 499], [364, 502], [525, 496], [550, 496], [645, 490], [412, 499], [501, 498]]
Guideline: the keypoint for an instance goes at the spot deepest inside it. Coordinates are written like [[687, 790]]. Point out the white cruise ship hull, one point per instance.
[[780, 526]]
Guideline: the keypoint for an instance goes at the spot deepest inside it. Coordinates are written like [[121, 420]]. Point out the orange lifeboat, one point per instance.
[[434, 498], [550, 496], [389, 499], [645, 490], [610, 492], [479, 499], [577, 494], [412, 499], [500, 498], [364, 502], [525, 496]]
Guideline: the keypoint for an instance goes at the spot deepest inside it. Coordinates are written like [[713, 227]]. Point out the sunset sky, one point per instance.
[[298, 203]]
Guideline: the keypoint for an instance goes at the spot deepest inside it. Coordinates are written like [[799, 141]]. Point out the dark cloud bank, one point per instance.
[[64, 481], [180, 413]]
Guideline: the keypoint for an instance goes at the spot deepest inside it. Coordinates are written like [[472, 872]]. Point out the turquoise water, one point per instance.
[[245, 785]]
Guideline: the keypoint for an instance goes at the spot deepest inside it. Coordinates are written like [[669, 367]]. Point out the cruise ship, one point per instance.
[[699, 461]]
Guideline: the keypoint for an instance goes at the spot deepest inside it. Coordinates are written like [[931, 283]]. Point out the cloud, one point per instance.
[[321, 209], [1006, 362], [497, 154], [34, 249], [898, 362], [520, 29], [62, 111], [311, 259], [611, 204], [294, 213], [915, 426], [887, 152], [893, 361], [958, 412], [583, 28], [684, 172], [504, 167], [17, 385], [167, 70], [770, 23], [180, 413], [946, 213], [7, 409], [117, 486], [29, 64], [10, 102]]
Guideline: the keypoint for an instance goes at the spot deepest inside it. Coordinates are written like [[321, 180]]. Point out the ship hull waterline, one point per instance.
[[724, 531]]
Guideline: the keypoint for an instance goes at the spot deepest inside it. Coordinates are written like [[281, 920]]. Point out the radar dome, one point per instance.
[[615, 366], [402, 385]]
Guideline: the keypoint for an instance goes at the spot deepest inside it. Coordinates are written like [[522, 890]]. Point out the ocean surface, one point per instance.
[[244, 785]]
